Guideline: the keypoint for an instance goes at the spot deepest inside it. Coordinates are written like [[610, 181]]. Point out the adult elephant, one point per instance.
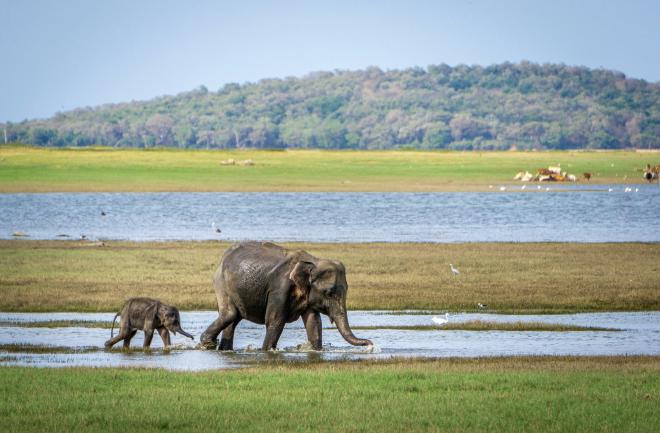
[[268, 284]]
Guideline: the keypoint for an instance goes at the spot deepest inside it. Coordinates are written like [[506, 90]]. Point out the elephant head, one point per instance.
[[322, 283], [169, 318]]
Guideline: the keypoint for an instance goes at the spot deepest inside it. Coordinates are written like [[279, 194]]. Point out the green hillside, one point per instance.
[[525, 106]]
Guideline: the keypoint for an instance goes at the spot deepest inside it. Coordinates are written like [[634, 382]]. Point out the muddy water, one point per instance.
[[640, 335]]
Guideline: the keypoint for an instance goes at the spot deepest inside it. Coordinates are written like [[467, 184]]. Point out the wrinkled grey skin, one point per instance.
[[148, 315], [267, 284]]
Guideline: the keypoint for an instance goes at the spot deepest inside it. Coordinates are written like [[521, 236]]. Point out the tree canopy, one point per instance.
[[524, 106]]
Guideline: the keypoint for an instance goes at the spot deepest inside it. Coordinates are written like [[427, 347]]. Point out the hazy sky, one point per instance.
[[59, 55]]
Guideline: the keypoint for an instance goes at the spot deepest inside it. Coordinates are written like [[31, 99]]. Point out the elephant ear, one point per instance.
[[300, 275]]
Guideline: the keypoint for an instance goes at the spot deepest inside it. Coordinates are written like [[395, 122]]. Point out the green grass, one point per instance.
[[474, 395], [509, 277], [26, 169]]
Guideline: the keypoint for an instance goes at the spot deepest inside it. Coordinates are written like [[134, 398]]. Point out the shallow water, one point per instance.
[[577, 213], [640, 335]]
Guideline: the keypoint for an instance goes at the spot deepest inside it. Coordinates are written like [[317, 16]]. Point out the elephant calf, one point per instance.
[[148, 315]]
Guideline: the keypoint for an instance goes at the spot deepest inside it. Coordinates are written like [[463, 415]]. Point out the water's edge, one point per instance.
[[78, 346]]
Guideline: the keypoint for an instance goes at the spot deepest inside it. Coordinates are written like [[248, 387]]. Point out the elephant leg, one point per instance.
[[209, 338], [227, 340], [148, 335], [124, 331], [114, 340], [312, 321], [129, 336], [165, 335], [274, 330]]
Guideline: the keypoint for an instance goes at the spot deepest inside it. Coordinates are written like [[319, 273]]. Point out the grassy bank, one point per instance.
[[485, 325], [24, 169], [527, 277], [475, 395]]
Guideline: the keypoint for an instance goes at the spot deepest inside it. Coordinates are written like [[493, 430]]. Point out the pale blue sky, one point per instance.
[[59, 55]]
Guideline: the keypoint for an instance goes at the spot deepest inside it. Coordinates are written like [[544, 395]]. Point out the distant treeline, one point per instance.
[[526, 106]]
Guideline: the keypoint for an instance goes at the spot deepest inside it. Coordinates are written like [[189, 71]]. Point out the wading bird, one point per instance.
[[482, 306], [441, 320], [453, 269]]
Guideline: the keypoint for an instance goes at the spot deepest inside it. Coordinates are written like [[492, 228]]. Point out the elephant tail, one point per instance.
[[112, 330]]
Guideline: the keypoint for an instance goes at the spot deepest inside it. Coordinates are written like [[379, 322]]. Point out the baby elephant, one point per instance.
[[148, 315]]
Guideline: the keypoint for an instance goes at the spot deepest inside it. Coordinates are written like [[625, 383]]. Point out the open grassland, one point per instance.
[[25, 169], [509, 277], [618, 394]]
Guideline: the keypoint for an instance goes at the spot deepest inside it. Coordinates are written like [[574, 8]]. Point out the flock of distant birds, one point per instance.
[[547, 188]]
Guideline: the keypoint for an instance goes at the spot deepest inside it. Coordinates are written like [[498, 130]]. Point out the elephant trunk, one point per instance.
[[184, 333], [345, 330]]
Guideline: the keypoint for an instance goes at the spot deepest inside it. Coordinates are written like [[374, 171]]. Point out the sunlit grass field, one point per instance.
[[509, 277], [619, 394], [27, 169]]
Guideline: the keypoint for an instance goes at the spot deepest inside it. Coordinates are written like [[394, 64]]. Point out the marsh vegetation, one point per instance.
[[509, 277]]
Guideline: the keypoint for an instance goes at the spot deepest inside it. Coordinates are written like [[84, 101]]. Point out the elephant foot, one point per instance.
[[207, 343], [226, 345]]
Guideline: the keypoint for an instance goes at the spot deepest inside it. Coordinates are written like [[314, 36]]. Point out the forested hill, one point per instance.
[[522, 105]]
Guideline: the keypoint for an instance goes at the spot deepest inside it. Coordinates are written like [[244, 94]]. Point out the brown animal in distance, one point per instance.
[[587, 175], [652, 173]]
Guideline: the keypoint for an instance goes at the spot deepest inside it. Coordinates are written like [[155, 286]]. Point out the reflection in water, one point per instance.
[[341, 217], [640, 335]]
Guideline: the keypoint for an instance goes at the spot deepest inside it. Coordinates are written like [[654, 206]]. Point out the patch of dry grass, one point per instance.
[[40, 348], [509, 277], [484, 325], [59, 324]]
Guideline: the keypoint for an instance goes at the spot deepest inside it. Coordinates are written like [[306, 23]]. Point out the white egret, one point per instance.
[[441, 320], [453, 269]]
